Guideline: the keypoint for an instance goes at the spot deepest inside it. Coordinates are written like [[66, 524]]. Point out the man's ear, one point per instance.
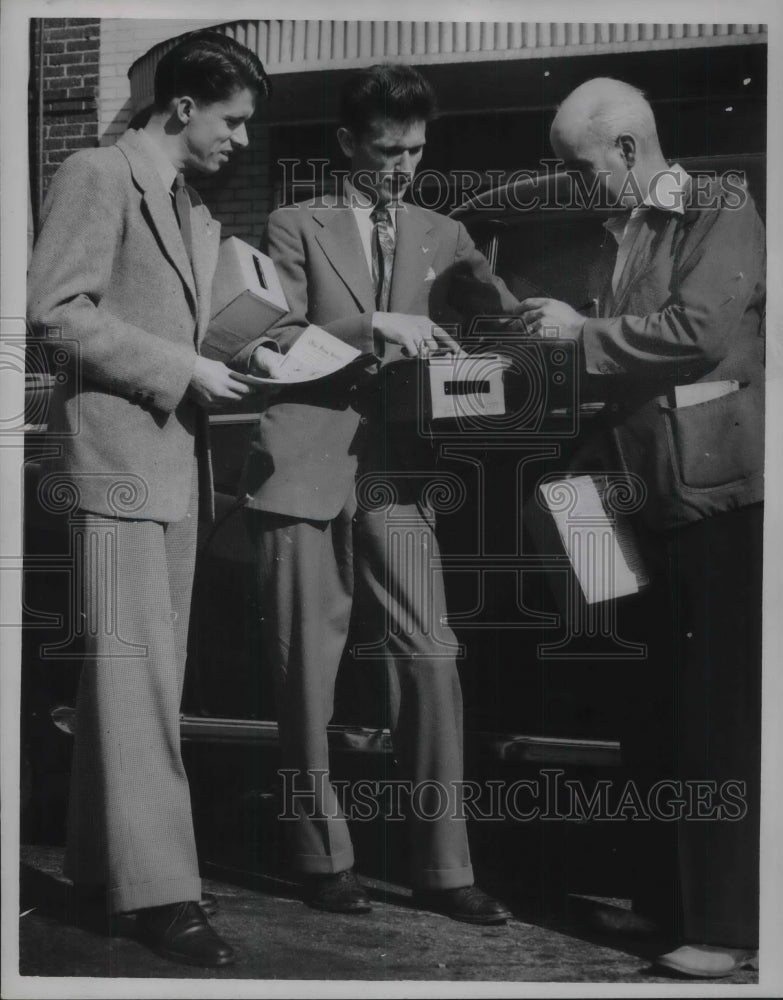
[[626, 143], [183, 109], [346, 140]]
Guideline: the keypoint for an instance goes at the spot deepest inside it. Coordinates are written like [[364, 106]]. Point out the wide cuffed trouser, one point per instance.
[[130, 825], [309, 573]]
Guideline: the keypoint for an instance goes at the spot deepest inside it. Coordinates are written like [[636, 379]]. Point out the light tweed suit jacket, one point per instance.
[[111, 277]]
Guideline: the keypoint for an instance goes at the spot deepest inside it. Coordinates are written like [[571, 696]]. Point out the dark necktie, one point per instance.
[[182, 206], [382, 256]]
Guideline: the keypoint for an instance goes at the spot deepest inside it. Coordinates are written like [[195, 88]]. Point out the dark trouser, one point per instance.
[[130, 827], [309, 573], [700, 875]]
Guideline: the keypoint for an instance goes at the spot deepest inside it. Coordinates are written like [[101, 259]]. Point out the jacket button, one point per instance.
[[362, 420]]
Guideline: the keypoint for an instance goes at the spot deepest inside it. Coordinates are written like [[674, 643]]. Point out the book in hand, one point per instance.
[[247, 298], [315, 354]]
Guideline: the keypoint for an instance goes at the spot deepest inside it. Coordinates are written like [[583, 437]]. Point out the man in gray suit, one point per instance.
[[384, 277], [123, 267]]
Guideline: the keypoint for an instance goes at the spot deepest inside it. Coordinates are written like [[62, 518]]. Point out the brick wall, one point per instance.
[[70, 75]]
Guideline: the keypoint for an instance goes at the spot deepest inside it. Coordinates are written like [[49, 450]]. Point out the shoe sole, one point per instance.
[[467, 918], [180, 959], [359, 908]]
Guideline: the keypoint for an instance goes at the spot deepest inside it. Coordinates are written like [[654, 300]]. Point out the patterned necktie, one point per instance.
[[182, 206], [383, 241]]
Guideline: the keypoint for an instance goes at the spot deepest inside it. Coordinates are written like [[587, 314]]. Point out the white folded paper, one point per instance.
[[600, 543], [314, 354], [703, 392]]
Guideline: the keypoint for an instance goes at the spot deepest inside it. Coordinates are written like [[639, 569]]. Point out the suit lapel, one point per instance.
[[338, 236], [157, 202], [635, 262], [206, 243], [413, 256], [642, 253]]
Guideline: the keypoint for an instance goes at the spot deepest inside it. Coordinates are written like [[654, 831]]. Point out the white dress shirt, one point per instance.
[[666, 192]]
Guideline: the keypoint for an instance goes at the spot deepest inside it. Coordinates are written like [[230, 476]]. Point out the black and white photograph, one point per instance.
[[390, 527]]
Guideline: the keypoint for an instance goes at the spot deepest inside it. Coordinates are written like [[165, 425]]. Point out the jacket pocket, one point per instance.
[[718, 442]]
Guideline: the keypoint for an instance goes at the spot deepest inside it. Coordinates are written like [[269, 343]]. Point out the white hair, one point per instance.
[[606, 108]]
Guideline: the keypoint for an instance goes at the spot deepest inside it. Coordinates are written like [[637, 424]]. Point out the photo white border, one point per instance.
[[14, 18]]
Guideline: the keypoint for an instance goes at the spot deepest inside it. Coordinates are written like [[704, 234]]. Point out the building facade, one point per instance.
[[498, 85]]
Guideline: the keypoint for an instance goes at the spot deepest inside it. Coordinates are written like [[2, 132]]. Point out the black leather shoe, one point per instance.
[[467, 903], [623, 923], [338, 893], [181, 933]]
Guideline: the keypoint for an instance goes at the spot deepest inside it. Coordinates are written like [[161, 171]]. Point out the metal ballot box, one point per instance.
[[443, 387]]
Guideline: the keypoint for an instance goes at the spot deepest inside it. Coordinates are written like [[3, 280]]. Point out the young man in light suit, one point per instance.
[[380, 274], [123, 267], [679, 342]]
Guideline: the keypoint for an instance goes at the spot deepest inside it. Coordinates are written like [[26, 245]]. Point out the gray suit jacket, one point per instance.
[[110, 277], [304, 456]]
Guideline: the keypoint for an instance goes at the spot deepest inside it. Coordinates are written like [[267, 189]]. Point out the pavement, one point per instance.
[[278, 937]]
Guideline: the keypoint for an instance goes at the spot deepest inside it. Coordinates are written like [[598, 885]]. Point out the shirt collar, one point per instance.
[[161, 162], [360, 202], [667, 193], [668, 189]]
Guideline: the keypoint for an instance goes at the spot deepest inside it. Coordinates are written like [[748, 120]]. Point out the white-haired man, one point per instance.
[[679, 341]]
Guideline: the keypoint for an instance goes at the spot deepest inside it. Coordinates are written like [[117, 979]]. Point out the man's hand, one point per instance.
[[416, 335], [551, 318], [212, 382], [265, 362]]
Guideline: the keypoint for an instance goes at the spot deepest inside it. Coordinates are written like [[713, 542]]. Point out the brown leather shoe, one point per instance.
[[467, 903], [338, 893], [181, 933]]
